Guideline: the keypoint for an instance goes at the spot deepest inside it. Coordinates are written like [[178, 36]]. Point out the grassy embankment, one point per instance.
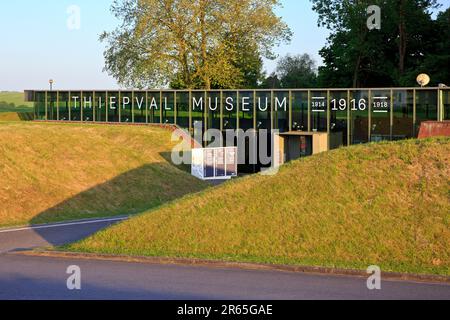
[[56, 172], [14, 108], [385, 204]]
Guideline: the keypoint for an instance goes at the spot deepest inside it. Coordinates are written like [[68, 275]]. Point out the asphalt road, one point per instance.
[[29, 278], [53, 234]]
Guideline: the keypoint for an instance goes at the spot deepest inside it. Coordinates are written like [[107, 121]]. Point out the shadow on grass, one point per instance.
[[25, 116], [135, 191], [183, 167], [16, 116]]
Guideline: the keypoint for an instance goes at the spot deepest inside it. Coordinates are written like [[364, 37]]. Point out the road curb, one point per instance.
[[233, 265]]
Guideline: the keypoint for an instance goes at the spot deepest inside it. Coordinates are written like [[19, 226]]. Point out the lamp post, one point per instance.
[[51, 84]]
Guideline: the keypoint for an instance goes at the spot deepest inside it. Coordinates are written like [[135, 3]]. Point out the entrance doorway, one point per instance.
[[298, 147], [297, 144]]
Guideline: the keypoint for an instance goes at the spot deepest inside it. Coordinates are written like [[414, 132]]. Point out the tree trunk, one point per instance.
[[402, 38], [187, 73], [205, 65], [362, 38], [356, 72], [185, 63]]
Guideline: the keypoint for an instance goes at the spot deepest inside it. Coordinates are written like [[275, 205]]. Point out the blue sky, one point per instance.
[[37, 45]]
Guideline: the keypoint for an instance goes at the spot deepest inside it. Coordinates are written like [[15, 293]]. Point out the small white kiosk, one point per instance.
[[215, 163]]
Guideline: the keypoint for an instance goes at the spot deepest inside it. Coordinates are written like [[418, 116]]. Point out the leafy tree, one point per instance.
[[271, 82], [349, 47], [437, 62], [298, 71], [191, 43], [356, 56], [251, 66], [249, 63]]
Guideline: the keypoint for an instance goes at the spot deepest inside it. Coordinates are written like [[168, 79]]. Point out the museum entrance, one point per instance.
[[297, 147], [297, 144]]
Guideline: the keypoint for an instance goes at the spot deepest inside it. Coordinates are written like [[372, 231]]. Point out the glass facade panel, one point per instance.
[[263, 110], [126, 107], [319, 110], [183, 109], [52, 107], [87, 101], [359, 116], [213, 109], [168, 108], [381, 115], [446, 103], [300, 110], [230, 116], [246, 110], [212, 106], [281, 107], [100, 106], [75, 106], [426, 107], [339, 113], [154, 107], [247, 124], [198, 105], [403, 116], [229, 105], [139, 110], [113, 106], [63, 106], [39, 105]]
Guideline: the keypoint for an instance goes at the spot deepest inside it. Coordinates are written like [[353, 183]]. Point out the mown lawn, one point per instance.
[[56, 172], [16, 116], [382, 204]]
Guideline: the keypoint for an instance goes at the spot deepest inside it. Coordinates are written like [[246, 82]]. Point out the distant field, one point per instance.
[[14, 102], [56, 172], [382, 204]]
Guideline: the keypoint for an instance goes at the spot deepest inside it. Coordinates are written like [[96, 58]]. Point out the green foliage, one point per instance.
[[271, 82], [192, 44], [250, 65], [409, 42], [292, 72], [438, 60], [297, 71], [249, 68]]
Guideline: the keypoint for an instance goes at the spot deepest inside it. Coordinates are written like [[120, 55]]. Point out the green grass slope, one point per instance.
[[16, 116], [56, 172], [385, 204]]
